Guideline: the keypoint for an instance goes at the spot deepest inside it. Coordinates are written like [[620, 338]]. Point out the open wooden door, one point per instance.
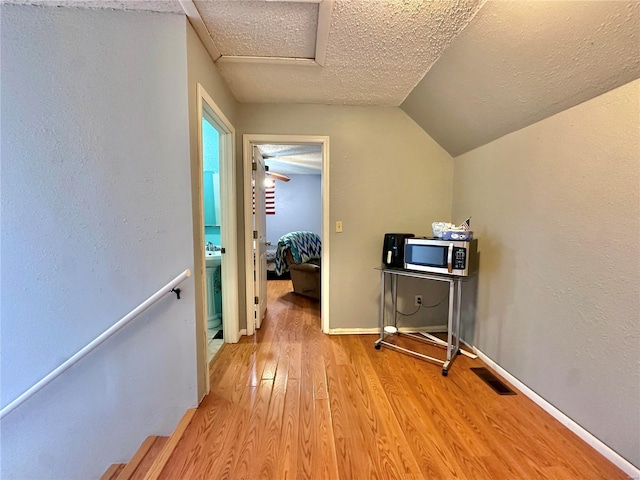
[[259, 237]]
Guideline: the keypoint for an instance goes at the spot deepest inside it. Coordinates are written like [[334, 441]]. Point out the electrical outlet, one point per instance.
[[418, 300], [339, 226]]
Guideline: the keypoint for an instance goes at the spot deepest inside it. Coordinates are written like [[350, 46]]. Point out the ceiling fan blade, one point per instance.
[[278, 176]]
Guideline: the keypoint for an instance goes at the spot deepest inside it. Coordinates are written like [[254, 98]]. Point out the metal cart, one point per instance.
[[453, 320]]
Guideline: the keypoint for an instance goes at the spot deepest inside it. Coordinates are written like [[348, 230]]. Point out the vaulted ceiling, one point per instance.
[[467, 71], [520, 62]]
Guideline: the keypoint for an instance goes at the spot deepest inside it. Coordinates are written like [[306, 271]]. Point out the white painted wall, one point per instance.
[[96, 216], [298, 207], [386, 175], [556, 208]]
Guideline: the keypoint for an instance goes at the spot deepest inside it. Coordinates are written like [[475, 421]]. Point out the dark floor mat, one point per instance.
[[218, 335]]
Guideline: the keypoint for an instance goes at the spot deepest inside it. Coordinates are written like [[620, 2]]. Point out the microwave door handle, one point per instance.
[[450, 258]]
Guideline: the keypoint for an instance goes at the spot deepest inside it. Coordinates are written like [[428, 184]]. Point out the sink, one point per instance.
[[212, 258]]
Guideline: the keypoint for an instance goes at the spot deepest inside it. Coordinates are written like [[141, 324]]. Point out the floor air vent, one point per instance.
[[494, 382]]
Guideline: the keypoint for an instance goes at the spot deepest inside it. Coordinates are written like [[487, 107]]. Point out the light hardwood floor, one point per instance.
[[292, 403]]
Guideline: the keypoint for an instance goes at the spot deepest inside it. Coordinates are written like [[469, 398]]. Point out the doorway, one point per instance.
[[215, 237], [212, 231], [254, 242]]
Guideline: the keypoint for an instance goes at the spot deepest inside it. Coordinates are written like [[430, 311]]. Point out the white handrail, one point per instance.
[[94, 344]]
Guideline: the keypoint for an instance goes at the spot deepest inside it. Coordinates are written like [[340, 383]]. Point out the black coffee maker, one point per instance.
[[393, 249]]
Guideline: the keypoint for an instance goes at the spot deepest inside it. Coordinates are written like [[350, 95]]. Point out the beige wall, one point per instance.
[[201, 69], [556, 208], [387, 175]]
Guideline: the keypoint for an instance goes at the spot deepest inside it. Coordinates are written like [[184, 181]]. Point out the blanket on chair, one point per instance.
[[304, 246]]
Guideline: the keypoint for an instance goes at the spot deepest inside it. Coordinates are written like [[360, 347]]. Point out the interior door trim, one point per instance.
[[207, 108], [249, 139]]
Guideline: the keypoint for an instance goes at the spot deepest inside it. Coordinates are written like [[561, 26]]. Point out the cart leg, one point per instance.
[[378, 345], [450, 321], [458, 308]]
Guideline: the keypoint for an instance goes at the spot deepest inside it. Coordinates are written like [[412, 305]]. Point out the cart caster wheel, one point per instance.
[[459, 352], [378, 347], [445, 373]]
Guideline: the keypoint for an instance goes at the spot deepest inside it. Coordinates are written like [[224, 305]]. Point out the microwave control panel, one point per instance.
[[459, 258]]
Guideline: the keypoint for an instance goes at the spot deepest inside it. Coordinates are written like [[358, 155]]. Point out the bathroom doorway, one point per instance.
[[212, 232], [215, 237]]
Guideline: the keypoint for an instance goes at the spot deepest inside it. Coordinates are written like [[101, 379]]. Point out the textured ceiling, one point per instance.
[[519, 62], [259, 28], [293, 159], [377, 51], [491, 68]]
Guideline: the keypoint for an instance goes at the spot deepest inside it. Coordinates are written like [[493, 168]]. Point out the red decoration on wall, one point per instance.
[[270, 200]]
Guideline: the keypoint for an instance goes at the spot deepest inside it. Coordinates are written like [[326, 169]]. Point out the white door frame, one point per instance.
[[229, 260], [257, 139]]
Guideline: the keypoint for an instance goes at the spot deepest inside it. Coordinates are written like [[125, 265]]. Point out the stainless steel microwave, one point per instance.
[[435, 255]]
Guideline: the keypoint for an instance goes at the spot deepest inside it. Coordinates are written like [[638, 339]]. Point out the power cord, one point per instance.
[[435, 304], [422, 305], [409, 314]]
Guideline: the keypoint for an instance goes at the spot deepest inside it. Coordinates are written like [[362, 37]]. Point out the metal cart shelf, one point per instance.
[[453, 320]]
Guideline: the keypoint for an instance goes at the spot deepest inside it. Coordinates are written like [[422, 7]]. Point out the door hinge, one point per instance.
[[255, 234], [255, 300], [254, 166]]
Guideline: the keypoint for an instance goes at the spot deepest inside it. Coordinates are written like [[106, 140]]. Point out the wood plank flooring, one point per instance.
[[293, 403]]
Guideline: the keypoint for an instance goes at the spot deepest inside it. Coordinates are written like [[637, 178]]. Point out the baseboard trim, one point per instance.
[[606, 451], [243, 332], [376, 330], [353, 331]]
